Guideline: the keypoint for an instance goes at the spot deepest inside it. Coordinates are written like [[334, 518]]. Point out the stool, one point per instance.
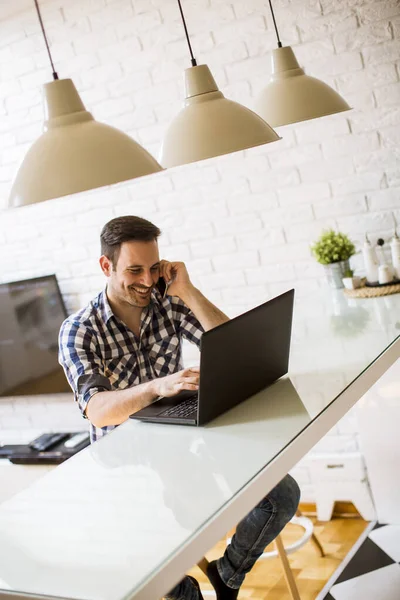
[[308, 527], [340, 477], [282, 552]]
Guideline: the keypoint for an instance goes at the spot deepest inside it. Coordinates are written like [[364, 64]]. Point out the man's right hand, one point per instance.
[[170, 385]]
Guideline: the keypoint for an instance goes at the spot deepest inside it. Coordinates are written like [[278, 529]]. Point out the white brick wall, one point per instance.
[[242, 222]]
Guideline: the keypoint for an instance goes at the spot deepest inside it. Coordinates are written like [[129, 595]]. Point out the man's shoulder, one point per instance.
[[87, 317]]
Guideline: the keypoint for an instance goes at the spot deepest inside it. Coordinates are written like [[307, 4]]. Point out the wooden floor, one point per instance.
[[266, 582]]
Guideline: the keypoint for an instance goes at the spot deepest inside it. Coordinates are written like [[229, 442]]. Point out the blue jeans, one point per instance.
[[252, 536]]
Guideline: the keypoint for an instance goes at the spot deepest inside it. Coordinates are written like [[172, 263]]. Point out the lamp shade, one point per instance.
[[292, 96], [75, 153], [209, 124]]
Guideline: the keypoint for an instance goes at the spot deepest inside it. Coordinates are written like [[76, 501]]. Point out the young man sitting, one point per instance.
[[123, 351]]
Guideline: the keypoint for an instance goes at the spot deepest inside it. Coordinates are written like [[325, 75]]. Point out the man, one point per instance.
[[123, 351]]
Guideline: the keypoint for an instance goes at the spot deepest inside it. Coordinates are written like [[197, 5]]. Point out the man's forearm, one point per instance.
[[113, 408], [205, 311]]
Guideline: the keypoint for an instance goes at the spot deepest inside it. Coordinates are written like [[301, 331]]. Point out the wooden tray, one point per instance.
[[373, 292]]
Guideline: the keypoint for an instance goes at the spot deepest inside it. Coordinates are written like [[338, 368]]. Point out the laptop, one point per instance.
[[238, 359]]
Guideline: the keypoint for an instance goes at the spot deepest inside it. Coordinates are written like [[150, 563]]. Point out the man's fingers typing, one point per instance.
[[185, 385], [194, 380], [191, 370]]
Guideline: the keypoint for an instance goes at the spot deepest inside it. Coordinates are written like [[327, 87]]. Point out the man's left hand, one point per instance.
[[176, 277]]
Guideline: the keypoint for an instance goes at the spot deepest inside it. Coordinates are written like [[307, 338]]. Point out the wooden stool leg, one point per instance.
[[317, 543], [203, 564], [287, 571], [314, 538]]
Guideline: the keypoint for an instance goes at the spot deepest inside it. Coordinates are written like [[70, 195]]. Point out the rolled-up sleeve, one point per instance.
[[79, 356], [186, 322]]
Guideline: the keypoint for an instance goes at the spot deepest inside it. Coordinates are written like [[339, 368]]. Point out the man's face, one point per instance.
[[135, 274]]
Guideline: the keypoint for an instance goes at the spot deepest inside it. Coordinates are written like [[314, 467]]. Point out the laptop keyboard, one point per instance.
[[183, 409]]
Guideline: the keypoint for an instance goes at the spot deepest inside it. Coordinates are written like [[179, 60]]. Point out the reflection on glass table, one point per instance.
[[99, 524], [334, 339]]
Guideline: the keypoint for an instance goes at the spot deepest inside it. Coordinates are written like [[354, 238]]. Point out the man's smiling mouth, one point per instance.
[[141, 292]]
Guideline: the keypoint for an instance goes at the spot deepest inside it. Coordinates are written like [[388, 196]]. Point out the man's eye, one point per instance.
[[135, 272], [155, 268]]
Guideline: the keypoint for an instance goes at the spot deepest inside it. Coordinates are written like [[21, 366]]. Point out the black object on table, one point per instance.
[[48, 449], [47, 441], [377, 284]]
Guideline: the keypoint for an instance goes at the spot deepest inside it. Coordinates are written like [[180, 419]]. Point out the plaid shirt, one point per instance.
[[99, 352]]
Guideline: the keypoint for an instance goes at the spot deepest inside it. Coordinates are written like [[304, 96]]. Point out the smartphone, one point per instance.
[[162, 287]]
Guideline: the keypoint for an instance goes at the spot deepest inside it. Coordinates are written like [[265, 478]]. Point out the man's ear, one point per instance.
[[106, 265]]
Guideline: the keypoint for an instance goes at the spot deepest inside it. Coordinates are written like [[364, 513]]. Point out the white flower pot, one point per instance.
[[351, 283], [335, 271]]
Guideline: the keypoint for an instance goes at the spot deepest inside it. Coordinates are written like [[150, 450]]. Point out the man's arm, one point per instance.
[[114, 407], [206, 312], [83, 366]]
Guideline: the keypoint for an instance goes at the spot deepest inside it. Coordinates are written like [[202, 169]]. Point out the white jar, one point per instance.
[[370, 262], [385, 274]]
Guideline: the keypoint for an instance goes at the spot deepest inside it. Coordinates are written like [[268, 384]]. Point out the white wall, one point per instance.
[[244, 222]]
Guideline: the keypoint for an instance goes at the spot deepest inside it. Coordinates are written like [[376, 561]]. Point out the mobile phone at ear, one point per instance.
[[161, 286]]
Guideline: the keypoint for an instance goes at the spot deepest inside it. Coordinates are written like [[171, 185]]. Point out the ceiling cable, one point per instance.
[[276, 28], [192, 60], [55, 76]]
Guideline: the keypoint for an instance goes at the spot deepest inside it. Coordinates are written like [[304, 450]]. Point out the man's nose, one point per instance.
[[147, 279]]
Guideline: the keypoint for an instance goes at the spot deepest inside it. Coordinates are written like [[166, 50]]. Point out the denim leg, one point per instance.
[[257, 530], [185, 590]]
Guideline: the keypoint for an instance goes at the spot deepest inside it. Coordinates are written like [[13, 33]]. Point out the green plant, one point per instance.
[[332, 247], [348, 273]]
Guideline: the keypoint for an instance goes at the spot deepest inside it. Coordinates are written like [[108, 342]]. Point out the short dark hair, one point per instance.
[[125, 229]]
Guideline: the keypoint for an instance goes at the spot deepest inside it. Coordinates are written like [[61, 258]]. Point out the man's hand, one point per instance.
[[170, 385], [179, 284], [113, 408], [177, 278]]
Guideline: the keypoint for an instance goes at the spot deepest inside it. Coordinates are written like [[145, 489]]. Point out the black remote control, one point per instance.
[[46, 441]]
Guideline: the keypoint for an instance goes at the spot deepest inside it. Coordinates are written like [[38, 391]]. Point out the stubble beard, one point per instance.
[[135, 299]]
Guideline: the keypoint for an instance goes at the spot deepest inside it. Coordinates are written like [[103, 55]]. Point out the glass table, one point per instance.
[[125, 518]]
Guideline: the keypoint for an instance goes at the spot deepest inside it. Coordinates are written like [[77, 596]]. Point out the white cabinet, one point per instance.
[[379, 425]]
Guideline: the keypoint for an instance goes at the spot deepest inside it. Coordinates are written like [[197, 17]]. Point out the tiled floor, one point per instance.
[[374, 571]]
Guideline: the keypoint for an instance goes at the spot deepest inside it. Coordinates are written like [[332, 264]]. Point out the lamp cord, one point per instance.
[[55, 76], [276, 28], [192, 60]]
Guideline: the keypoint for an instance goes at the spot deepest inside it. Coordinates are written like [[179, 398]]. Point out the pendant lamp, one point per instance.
[[209, 125], [75, 153], [292, 96]]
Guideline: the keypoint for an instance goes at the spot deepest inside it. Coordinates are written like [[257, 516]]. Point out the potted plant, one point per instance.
[[333, 250], [349, 281]]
